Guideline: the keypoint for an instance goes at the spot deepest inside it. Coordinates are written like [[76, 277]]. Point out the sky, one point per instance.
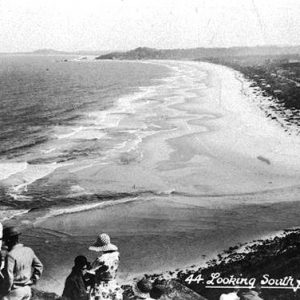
[[72, 25]]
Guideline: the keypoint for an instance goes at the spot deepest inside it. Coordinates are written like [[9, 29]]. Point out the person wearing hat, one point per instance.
[[105, 268], [22, 267], [75, 285]]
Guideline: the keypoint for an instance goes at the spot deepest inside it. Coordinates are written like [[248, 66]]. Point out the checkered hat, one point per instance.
[[103, 244]]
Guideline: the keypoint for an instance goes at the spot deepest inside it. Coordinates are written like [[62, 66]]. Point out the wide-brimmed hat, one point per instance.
[[9, 232], [103, 244], [142, 288]]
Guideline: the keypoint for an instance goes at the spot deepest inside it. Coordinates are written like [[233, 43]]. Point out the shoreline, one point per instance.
[[200, 209], [271, 110], [248, 92], [273, 80]]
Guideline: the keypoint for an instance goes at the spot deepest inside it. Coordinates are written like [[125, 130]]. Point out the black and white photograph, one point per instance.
[[150, 149]]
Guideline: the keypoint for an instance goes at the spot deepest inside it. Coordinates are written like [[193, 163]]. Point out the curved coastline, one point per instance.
[[209, 144]]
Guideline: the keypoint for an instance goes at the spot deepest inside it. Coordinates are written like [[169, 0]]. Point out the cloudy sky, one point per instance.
[[70, 25]]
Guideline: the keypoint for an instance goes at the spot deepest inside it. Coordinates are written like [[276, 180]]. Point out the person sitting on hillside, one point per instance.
[[75, 285]]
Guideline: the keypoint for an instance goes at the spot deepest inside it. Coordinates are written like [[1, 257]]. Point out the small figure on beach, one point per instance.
[[104, 269], [76, 284], [22, 267]]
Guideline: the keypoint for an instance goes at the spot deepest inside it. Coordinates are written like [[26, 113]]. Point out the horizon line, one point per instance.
[[187, 48]]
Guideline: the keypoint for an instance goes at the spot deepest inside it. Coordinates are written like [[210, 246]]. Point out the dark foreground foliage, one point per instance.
[[277, 258]]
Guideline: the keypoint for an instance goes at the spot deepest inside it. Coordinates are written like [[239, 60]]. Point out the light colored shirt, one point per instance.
[[22, 267]]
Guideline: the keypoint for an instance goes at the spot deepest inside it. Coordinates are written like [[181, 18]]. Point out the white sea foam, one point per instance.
[[46, 151], [8, 169], [68, 135], [7, 214], [84, 207], [77, 189], [28, 176], [102, 120], [92, 125]]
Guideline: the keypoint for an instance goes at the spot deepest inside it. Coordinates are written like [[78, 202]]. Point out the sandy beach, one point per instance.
[[207, 171]]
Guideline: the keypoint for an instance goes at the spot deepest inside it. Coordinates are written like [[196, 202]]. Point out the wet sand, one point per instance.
[[211, 170], [156, 235]]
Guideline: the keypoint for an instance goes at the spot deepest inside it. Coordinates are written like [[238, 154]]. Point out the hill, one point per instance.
[[198, 53]]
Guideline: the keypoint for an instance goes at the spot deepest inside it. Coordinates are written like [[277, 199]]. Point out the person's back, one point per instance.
[[22, 259], [104, 269], [75, 287], [109, 263], [22, 267]]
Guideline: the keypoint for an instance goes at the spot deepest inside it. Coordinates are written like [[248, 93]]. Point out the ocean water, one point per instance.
[[54, 114], [176, 158]]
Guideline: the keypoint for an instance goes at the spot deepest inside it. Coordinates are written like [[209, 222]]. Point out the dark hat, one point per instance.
[[9, 232], [80, 261]]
